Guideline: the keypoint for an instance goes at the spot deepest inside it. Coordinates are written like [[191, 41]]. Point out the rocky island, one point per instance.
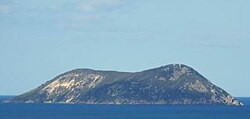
[[170, 84]]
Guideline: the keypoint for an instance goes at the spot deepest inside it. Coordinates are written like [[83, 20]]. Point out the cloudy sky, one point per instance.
[[41, 39]]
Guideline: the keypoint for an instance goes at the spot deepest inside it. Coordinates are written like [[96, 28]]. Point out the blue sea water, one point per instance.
[[81, 111]]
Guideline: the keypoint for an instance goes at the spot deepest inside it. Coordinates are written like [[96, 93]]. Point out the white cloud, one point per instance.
[[98, 5], [92, 10], [4, 8]]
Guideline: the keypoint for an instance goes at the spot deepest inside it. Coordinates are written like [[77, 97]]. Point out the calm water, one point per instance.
[[64, 111]]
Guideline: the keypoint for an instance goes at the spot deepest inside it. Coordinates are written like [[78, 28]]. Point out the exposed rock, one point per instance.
[[171, 84]]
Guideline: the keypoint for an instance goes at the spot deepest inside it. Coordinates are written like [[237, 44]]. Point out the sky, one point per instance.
[[42, 39]]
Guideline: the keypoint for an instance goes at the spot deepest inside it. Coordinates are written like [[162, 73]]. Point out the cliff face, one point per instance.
[[171, 84]]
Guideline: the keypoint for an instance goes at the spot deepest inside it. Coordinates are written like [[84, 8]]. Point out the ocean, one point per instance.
[[81, 111]]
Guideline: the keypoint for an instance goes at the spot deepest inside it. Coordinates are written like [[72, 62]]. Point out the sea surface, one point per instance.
[[81, 111]]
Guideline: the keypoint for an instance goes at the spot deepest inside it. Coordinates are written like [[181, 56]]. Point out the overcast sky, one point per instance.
[[41, 39]]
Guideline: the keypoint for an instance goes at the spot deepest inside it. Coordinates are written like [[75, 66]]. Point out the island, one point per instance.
[[170, 84]]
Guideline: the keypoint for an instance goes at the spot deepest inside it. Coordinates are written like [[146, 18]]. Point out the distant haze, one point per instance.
[[41, 39]]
